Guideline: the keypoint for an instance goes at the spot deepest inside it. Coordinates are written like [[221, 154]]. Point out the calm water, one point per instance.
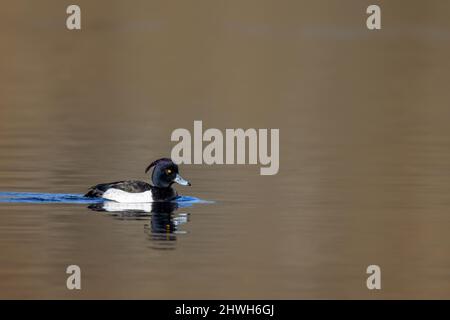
[[364, 148]]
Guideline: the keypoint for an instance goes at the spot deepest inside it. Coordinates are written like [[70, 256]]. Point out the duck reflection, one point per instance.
[[164, 224]]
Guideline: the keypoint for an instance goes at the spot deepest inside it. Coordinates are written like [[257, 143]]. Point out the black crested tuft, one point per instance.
[[154, 163]]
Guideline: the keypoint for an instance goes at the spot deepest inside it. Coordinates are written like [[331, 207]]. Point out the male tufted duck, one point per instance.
[[164, 175]]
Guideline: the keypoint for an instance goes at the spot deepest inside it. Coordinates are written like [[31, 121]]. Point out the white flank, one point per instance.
[[127, 197]]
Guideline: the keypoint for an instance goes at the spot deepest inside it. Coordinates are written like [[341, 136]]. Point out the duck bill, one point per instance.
[[178, 179]]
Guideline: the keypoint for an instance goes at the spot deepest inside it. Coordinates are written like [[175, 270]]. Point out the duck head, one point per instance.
[[165, 173]]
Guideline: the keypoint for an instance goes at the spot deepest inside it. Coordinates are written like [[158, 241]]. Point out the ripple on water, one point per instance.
[[34, 197]]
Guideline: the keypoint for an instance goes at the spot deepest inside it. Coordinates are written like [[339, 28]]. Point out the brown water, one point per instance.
[[364, 147]]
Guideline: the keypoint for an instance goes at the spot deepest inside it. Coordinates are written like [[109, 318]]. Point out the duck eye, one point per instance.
[[168, 171]]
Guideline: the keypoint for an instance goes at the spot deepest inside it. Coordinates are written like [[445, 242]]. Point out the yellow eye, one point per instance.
[[168, 171]]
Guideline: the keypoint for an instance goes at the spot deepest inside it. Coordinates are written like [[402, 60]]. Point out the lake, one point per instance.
[[364, 149]]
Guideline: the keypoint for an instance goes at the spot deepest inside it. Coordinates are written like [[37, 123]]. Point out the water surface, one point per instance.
[[364, 148]]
